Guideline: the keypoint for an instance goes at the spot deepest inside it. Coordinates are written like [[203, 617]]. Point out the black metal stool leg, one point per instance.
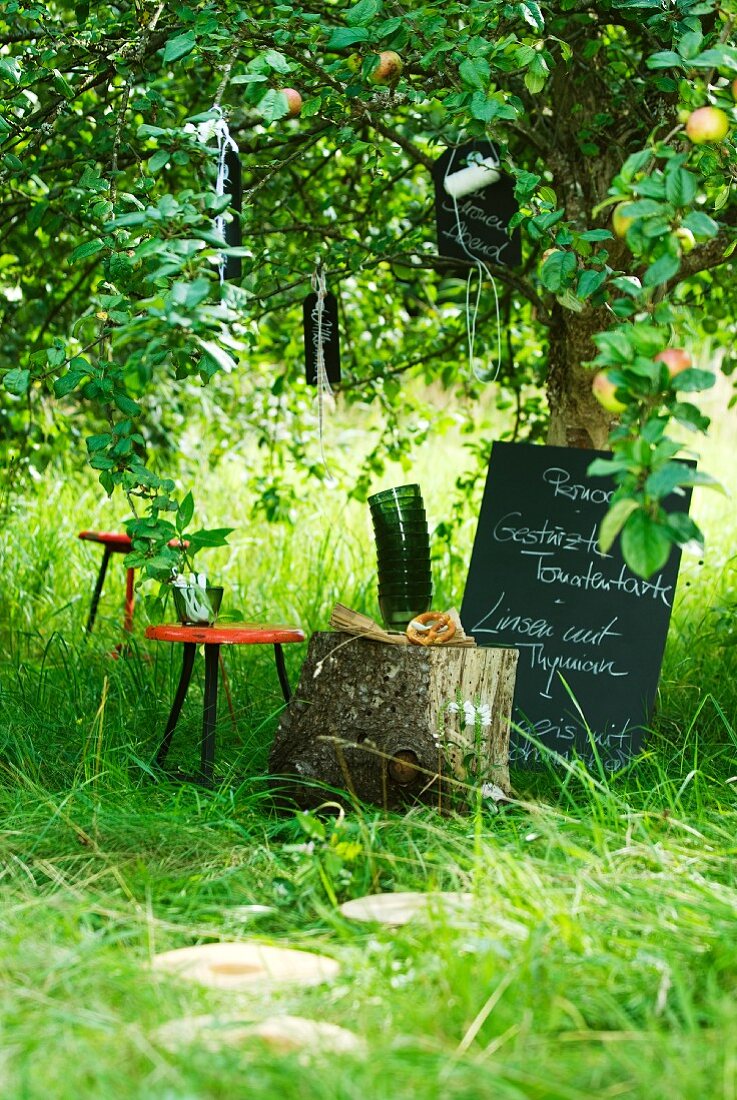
[[98, 588], [281, 671], [210, 713], [187, 662]]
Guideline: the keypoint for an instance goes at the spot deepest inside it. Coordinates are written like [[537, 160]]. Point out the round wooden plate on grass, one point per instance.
[[396, 909], [281, 1033], [241, 965]]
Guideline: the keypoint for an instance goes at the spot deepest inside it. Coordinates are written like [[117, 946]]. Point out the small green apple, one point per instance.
[[707, 124], [604, 391], [620, 221], [686, 238]]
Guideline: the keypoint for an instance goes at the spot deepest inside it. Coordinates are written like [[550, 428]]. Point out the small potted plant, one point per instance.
[[166, 551]]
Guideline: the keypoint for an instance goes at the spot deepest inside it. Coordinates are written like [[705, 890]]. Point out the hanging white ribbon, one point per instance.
[[224, 143], [488, 166], [319, 286]]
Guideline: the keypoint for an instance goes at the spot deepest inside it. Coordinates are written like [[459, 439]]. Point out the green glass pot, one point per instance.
[[399, 492], [399, 612], [196, 606]]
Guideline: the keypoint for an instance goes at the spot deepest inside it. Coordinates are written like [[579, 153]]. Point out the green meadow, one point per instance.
[[597, 955]]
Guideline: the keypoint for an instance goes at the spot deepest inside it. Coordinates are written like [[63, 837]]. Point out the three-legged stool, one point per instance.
[[112, 543], [213, 637]]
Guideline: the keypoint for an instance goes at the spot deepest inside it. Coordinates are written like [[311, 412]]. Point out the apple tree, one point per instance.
[[615, 120]]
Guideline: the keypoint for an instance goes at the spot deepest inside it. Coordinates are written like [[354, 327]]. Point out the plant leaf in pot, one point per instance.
[[195, 601]]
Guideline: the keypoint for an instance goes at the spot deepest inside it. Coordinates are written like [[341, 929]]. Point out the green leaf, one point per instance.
[[597, 235], [614, 521], [136, 217], [82, 251], [216, 537], [158, 160], [557, 270], [363, 13], [273, 105], [124, 403], [606, 467], [661, 271], [686, 413], [589, 282], [665, 59], [343, 37], [531, 13], [690, 44], [179, 46], [67, 383], [692, 380], [681, 187], [668, 477], [17, 381], [277, 61], [645, 542], [475, 72], [185, 511], [224, 361], [482, 107], [55, 355], [98, 442], [635, 163], [10, 70], [713, 59], [683, 529], [700, 224]]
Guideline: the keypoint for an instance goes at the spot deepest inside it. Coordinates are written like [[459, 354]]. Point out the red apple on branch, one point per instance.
[[707, 124], [388, 68], [675, 359], [604, 390], [293, 100]]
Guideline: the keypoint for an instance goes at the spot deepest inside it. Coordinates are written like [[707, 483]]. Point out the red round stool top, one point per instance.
[[117, 542], [232, 634], [120, 543]]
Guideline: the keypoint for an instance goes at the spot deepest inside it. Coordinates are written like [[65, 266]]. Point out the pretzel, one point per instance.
[[431, 628]]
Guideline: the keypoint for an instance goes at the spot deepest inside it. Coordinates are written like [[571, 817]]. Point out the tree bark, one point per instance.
[[383, 723], [576, 417]]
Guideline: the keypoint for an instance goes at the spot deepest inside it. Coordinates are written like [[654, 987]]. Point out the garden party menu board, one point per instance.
[[591, 633]]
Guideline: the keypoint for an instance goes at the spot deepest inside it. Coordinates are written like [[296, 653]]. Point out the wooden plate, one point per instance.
[[281, 1033], [396, 909], [241, 965]]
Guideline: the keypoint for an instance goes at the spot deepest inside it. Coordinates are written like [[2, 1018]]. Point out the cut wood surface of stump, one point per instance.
[[387, 724]]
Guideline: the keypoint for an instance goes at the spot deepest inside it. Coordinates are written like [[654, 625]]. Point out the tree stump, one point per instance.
[[396, 724]]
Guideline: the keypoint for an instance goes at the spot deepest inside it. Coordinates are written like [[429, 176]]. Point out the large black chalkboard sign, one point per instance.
[[538, 582], [475, 225], [330, 334]]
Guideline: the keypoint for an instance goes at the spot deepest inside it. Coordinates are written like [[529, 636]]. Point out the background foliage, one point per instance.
[[112, 312]]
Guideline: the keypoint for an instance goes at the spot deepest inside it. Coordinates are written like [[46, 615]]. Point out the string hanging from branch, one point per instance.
[[322, 348], [473, 207], [228, 182]]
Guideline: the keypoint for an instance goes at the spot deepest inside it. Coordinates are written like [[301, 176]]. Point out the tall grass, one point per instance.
[[598, 955]]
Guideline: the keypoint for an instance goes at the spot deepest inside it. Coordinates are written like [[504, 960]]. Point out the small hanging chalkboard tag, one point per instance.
[[475, 224], [330, 337], [234, 188]]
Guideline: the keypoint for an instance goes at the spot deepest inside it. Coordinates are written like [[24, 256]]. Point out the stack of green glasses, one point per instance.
[[402, 554]]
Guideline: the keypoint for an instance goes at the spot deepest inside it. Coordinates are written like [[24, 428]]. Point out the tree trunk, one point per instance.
[[387, 723], [576, 417]]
